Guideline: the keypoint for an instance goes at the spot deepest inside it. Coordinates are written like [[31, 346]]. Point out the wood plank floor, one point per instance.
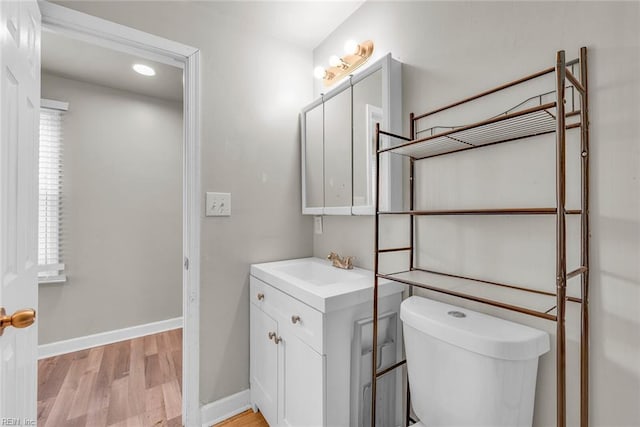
[[130, 383], [246, 419]]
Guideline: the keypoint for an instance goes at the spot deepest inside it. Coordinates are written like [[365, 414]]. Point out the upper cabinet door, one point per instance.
[[337, 154], [338, 144], [312, 158], [367, 111]]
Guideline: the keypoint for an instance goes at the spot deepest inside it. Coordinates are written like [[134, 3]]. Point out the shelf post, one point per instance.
[[412, 135], [374, 352], [411, 216], [412, 162], [561, 244], [584, 232]]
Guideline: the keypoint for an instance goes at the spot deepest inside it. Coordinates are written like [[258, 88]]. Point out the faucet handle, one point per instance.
[[348, 260]]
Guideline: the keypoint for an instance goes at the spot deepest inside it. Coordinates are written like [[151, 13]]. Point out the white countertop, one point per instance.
[[318, 284]]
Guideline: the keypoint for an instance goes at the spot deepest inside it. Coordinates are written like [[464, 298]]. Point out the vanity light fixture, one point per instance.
[[145, 70], [356, 54]]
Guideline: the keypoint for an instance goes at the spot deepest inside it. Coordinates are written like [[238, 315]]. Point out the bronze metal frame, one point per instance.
[[565, 74]]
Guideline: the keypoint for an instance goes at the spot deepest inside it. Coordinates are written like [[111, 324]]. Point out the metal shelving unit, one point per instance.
[[520, 122]]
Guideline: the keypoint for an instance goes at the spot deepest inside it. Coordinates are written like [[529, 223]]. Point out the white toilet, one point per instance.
[[467, 368]]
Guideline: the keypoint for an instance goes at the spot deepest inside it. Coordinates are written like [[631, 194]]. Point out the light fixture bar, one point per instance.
[[349, 63]]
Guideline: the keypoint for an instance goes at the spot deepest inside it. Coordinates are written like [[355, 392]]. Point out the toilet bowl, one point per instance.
[[467, 368]]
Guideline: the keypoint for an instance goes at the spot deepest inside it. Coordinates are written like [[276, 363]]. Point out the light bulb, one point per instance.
[[351, 47], [145, 70], [319, 72], [334, 61]]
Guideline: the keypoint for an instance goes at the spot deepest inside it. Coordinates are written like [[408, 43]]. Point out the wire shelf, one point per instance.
[[530, 301], [533, 121], [497, 211]]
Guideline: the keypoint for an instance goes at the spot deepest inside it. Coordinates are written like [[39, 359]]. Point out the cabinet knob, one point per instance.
[[260, 296], [295, 319], [277, 340], [271, 335]]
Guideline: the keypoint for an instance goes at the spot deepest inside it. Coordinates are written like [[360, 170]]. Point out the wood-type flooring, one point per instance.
[[246, 419], [134, 383]]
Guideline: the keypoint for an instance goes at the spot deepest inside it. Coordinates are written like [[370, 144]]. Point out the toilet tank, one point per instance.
[[467, 368]]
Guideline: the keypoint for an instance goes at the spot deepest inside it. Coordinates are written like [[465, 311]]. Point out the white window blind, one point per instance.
[[50, 231]]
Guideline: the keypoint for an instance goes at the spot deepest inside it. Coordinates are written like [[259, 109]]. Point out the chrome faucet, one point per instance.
[[341, 262]]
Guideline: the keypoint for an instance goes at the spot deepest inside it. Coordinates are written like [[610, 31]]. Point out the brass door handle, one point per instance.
[[260, 296], [19, 319]]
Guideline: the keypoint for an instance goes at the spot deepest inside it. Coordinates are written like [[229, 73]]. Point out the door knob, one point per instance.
[[19, 319]]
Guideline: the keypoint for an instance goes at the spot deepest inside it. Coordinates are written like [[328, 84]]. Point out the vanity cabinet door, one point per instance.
[[367, 110], [301, 384], [313, 159], [337, 153], [264, 364]]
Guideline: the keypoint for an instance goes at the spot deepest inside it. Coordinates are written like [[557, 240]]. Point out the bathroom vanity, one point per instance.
[[310, 344]]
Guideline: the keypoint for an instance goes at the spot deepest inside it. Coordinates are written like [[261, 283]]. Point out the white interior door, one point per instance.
[[19, 120]]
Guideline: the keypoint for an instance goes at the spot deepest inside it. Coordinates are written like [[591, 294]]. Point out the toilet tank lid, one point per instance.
[[477, 332]]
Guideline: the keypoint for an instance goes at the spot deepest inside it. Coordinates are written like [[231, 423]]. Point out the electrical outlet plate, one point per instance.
[[218, 204], [317, 224]]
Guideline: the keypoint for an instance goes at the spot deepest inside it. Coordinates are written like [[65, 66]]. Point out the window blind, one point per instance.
[[50, 212]]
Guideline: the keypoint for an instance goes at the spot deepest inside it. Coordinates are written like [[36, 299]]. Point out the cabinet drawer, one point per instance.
[[293, 316], [258, 291]]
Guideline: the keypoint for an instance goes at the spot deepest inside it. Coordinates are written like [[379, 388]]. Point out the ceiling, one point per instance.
[[90, 63], [300, 22]]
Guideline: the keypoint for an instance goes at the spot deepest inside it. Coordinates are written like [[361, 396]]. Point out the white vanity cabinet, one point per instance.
[[287, 372], [301, 355]]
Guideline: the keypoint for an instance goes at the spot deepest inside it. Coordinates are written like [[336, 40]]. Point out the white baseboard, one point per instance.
[[225, 408], [109, 337]]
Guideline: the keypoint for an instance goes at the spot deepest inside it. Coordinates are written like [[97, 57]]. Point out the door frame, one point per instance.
[[118, 37]]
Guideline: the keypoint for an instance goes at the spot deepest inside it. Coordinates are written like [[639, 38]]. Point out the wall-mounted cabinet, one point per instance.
[[338, 140], [337, 153]]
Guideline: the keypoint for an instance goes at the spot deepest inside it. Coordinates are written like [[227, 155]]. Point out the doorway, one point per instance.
[[83, 27], [110, 229]]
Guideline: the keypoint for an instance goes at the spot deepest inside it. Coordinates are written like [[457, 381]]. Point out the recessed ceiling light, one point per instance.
[[145, 70]]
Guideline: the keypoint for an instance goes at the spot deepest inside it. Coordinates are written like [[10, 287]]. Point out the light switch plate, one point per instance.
[[218, 204], [317, 224]]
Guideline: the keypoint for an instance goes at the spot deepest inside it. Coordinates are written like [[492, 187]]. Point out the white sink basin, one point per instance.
[[317, 283], [316, 272]]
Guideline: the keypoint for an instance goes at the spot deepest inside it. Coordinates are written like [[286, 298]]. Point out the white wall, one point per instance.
[[122, 217], [451, 50], [252, 89]]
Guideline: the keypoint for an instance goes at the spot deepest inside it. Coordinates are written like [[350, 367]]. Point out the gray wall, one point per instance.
[[451, 50], [252, 89], [122, 212]]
